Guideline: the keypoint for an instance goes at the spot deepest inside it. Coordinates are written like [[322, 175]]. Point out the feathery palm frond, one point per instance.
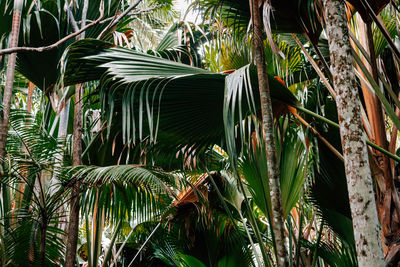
[[30, 213], [123, 191]]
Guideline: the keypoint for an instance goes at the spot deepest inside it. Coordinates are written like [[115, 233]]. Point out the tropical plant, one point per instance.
[[173, 168]]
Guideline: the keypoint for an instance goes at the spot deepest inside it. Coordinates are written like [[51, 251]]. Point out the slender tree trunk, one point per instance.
[[62, 133], [10, 78], [390, 195], [373, 106], [358, 173], [31, 87], [73, 227], [372, 103], [269, 137], [63, 124], [43, 232]]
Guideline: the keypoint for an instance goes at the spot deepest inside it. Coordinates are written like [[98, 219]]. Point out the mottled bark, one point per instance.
[[4, 121], [269, 137], [359, 181]]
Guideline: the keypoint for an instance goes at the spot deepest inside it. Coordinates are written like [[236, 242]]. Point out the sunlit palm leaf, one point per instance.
[[123, 191], [159, 99]]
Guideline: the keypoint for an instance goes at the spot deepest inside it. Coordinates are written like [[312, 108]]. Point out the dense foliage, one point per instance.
[[174, 169]]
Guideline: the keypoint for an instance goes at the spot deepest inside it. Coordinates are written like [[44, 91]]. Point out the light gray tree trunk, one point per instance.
[[269, 137], [359, 180], [63, 124], [10, 77]]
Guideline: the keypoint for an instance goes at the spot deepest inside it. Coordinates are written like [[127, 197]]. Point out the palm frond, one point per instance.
[[155, 99], [123, 191]]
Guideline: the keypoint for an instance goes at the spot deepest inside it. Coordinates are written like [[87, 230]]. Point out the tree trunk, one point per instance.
[[62, 133], [63, 124], [31, 87], [358, 173], [269, 137], [9, 78], [73, 227], [43, 232]]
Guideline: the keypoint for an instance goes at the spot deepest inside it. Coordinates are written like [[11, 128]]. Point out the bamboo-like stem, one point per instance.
[[316, 133], [373, 86], [381, 26], [334, 124], [375, 115], [144, 244], [316, 67], [321, 57]]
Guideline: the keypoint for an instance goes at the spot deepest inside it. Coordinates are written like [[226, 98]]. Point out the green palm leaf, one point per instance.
[[177, 105], [123, 191]]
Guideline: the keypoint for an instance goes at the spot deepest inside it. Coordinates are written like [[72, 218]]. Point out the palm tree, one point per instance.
[[73, 225], [161, 125], [310, 25], [10, 77], [29, 214], [179, 121]]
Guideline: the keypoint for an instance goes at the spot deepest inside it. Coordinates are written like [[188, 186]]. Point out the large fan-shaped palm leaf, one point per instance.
[[159, 99]]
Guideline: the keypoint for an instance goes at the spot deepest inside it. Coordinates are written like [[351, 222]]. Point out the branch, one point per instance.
[[115, 22], [83, 19], [93, 23], [133, 13], [56, 44], [72, 20]]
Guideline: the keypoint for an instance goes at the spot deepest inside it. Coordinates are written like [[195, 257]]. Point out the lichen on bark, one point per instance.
[[358, 174]]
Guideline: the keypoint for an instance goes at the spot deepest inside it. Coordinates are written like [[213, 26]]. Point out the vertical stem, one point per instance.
[[377, 120], [43, 230], [31, 87], [269, 137], [63, 124], [358, 173], [9, 78], [73, 227], [379, 132], [381, 26]]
